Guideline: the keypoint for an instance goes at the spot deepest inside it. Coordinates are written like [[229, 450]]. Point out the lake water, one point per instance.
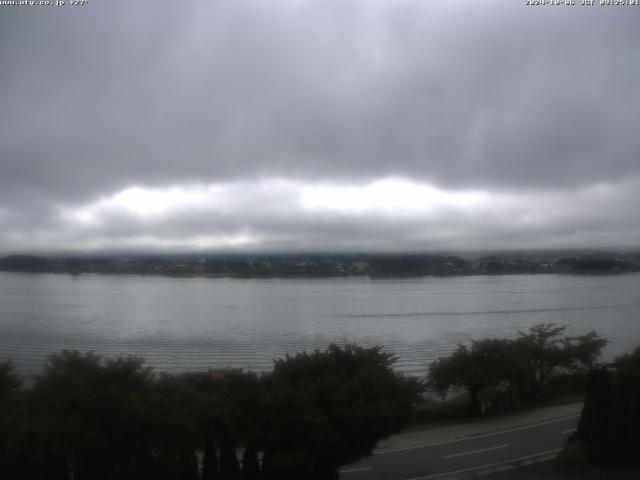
[[198, 323]]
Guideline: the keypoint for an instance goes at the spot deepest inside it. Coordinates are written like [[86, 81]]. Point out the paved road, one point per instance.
[[481, 455]]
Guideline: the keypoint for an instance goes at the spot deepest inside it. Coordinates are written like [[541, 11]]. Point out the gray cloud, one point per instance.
[[492, 96], [392, 215]]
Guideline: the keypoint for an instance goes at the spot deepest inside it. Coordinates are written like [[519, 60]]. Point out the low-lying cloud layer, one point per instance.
[[282, 215], [318, 125]]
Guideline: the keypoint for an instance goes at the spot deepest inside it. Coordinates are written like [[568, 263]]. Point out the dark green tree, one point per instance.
[[547, 354], [331, 407], [227, 406], [11, 417], [10, 381], [489, 363], [174, 405], [92, 414], [525, 364]]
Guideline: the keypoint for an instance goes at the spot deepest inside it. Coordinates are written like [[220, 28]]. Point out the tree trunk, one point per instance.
[[210, 460], [188, 465], [229, 466], [250, 464], [474, 394]]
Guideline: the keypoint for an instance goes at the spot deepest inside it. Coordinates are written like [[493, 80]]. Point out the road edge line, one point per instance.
[[473, 437], [488, 465]]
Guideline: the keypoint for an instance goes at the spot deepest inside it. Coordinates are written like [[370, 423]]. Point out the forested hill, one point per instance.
[[330, 265]]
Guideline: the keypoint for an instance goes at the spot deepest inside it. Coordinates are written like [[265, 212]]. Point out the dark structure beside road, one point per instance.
[[609, 428]]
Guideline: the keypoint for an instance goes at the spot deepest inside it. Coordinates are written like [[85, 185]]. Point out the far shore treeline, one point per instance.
[[330, 265], [94, 418]]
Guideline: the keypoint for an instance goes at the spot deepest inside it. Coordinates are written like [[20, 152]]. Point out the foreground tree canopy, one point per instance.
[[87, 417], [524, 365], [90, 418], [337, 405]]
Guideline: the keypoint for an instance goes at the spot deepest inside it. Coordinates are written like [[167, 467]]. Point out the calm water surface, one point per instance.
[[197, 323]]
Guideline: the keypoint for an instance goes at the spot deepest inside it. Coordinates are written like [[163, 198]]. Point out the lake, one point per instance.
[[198, 323]]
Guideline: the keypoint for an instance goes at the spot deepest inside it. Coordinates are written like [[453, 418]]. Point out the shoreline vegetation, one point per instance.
[[95, 418], [92, 418], [328, 265]]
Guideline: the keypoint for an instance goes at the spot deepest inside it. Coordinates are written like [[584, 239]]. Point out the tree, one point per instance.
[[547, 354], [527, 363], [331, 407], [227, 408], [92, 414], [10, 416], [10, 381], [488, 363]]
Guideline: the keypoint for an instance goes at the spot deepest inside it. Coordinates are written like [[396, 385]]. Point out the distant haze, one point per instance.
[[291, 125]]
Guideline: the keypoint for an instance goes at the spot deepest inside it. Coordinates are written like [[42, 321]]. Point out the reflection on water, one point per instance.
[[197, 323]]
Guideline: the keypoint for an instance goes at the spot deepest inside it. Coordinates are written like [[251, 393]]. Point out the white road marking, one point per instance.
[[543, 459], [360, 469], [476, 451], [489, 465], [503, 468], [571, 430], [473, 437]]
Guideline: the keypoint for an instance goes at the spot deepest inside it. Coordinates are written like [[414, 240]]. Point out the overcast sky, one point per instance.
[[289, 125]]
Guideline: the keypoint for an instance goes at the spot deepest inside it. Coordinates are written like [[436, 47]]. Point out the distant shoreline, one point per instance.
[[326, 266]]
